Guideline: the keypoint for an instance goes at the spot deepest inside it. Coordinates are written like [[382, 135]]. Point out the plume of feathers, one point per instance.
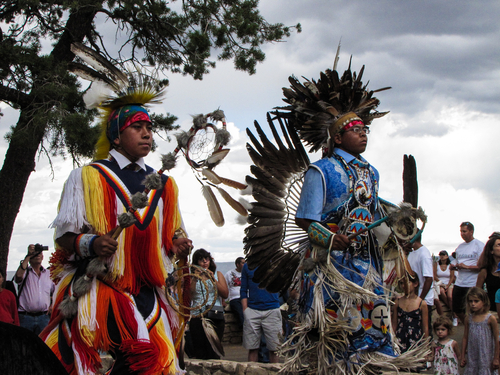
[[112, 89], [316, 105]]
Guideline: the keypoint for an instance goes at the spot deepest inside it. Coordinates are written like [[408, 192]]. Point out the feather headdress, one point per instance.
[[111, 90], [320, 109]]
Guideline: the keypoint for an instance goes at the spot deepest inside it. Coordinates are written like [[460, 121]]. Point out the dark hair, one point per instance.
[[488, 249], [448, 261], [238, 261], [467, 224], [443, 321], [2, 272], [481, 295], [203, 254]]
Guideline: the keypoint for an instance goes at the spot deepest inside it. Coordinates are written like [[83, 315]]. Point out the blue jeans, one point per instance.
[[36, 324]]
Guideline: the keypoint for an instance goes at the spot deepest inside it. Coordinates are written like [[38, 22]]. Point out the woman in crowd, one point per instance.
[[202, 349], [488, 274]]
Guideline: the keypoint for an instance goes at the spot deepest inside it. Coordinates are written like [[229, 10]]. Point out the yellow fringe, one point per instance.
[[94, 199], [53, 338], [118, 260], [103, 145], [160, 338]]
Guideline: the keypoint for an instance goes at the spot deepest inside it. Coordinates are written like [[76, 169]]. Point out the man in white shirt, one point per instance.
[[420, 260], [467, 256], [233, 280]]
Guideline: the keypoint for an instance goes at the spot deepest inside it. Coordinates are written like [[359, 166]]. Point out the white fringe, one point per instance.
[[72, 216]]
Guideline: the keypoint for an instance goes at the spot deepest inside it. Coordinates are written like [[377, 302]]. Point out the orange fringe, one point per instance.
[[123, 314], [171, 215], [166, 352]]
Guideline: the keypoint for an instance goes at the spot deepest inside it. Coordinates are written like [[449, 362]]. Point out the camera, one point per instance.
[[39, 247]]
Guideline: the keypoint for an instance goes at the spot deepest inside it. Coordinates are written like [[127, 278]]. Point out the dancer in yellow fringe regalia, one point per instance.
[[110, 292]]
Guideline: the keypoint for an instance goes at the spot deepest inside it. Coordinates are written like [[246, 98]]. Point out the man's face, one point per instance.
[[240, 265], [135, 141], [353, 140], [467, 235], [37, 260]]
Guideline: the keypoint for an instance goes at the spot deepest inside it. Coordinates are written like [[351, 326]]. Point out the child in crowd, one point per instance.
[[445, 350], [410, 317], [480, 340]]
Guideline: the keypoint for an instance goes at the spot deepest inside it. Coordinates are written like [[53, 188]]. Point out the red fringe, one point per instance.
[[88, 355], [147, 269], [109, 198], [141, 355], [123, 314]]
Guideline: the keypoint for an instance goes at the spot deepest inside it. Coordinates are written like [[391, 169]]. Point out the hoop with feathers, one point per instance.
[[203, 148]]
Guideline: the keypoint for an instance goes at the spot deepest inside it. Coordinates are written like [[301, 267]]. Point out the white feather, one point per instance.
[[98, 92], [211, 176]]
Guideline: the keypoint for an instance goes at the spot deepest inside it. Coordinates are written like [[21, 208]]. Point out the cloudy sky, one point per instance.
[[441, 59]]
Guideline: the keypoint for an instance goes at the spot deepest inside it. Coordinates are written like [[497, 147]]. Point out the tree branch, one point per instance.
[[17, 97]]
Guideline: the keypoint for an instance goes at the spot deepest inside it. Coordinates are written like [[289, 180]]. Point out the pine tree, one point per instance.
[[177, 36]]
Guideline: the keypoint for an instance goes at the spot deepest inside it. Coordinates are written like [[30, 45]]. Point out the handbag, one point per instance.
[[216, 313]]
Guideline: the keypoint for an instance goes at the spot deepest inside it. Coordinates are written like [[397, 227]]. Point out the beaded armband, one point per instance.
[[84, 245], [320, 236]]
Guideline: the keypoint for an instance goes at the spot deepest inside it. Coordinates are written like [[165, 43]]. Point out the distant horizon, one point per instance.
[[221, 266]]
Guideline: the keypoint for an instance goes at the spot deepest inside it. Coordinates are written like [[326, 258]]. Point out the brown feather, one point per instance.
[[212, 337], [237, 206], [233, 184], [213, 206]]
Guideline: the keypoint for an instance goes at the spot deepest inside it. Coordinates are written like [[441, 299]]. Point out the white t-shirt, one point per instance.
[[233, 280], [421, 263], [468, 254]]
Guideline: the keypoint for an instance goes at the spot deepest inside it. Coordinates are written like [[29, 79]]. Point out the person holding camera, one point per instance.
[[35, 288]]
